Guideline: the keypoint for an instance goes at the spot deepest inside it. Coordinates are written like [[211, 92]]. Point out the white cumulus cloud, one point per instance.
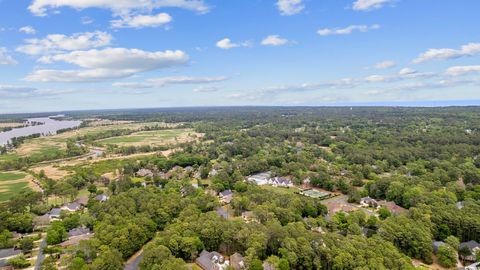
[[164, 81], [5, 58], [470, 49], [385, 65], [364, 5], [206, 89], [227, 43], [28, 30], [108, 63], [20, 91], [57, 43], [462, 70], [347, 30], [274, 40], [118, 7], [141, 21], [290, 7]]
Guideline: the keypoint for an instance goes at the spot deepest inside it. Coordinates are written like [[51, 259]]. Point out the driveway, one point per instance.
[[40, 256]]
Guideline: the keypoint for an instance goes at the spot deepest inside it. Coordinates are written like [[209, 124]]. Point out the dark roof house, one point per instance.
[[144, 173], [41, 221], [393, 207], [222, 212], [226, 196], [210, 260], [83, 200], [369, 202], [237, 261], [54, 213], [473, 246], [72, 207], [6, 254], [436, 245], [78, 232], [101, 198]]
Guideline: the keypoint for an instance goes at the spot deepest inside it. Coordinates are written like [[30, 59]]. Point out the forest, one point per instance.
[[424, 161]]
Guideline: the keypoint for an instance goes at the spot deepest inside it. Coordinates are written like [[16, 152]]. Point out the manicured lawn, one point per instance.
[[123, 139], [282, 190], [8, 191], [9, 176], [155, 137], [9, 157]]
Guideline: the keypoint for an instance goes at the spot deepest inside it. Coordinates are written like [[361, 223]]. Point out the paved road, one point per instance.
[[133, 264], [40, 256]]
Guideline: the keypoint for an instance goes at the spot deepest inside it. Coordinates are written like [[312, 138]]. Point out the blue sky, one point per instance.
[[84, 54]]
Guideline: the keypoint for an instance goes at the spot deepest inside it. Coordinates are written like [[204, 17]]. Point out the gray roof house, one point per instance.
[[222, 212], [41, 221], [475, 266], [72, 207], [226, 196], [101, 198], [211, 261], [473, 246], [78, 232], [144, 173], [237, 261], [6, 254], [369, 202], [54, 213], [436, 245]]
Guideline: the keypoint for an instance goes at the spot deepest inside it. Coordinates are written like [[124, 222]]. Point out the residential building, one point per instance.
[[436, 246], [237, 261], [393, 207], [473, 246], [260, 178], [475, 266], [226, 196], [78, 232], [55, 213], [144, 173], [369, 202], [101, 198], [211, 261], [6, 254], [222, 212], [280, 182], [72, 207]]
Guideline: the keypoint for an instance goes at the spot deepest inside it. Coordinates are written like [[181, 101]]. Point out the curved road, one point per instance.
[[40, 256], [133, 264]]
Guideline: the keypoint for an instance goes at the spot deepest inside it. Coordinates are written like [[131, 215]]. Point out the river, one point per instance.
[[49, 127]]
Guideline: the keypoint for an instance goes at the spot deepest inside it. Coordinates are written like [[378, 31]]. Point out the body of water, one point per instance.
[[49, 127]]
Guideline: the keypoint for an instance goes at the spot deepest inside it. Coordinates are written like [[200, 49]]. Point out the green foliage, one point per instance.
[[453, 241], [56, 233], [447, 256], [160, 257], [26, 244], [108, 259], [19, 262], [413, 237], [384, 213]]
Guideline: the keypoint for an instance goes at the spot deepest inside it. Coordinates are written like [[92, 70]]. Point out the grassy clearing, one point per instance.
[[99, 129], [9, 176], [280, 190], [100, 167], [12, 183], [156, 137]]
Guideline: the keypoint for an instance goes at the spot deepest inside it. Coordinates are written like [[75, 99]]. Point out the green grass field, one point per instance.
[[8, 176], [156, 137], [8, 190]]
